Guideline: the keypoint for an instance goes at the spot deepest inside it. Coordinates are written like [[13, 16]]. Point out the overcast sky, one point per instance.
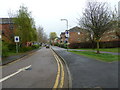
[[47, 13]]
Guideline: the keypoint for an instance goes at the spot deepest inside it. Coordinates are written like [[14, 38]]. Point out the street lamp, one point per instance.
[[66, 30], [66, 22]]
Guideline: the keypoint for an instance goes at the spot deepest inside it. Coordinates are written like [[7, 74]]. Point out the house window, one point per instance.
[[78, 33], [11, 27], [3, 32]]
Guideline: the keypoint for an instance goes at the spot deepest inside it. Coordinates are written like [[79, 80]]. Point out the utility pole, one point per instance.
[[67, 33]]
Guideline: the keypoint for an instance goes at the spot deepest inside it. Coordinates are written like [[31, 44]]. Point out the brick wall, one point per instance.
[[74, 37], [7, 33], [109, 36]]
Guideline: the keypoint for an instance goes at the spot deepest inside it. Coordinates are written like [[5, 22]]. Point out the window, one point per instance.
[[3, 33], [11, 27]]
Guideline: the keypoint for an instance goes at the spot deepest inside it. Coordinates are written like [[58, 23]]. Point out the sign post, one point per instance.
[[16, 38], [67, 35]]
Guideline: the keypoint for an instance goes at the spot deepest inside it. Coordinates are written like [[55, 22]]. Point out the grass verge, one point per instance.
[[102, 56], [115, 50]]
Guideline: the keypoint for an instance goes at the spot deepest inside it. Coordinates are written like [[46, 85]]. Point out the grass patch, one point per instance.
[[103, 56], [116, 50], [13, 53]]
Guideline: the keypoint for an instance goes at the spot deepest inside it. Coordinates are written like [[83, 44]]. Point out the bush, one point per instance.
[[5, 49], [35, 46], [65, 46], [12, 47], [110, 44], [24, 49], [28, 48]]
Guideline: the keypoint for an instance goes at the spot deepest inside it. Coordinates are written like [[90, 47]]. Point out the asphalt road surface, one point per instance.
[[90, 73], [38, 70]]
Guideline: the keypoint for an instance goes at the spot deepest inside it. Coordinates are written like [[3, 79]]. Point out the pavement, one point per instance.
[[37, 70], [89, 73], [12, 58], [95, 51]]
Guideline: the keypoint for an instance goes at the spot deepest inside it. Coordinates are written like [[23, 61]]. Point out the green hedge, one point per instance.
[[11, 48], [28, 48], [5, 49], [109, 44]]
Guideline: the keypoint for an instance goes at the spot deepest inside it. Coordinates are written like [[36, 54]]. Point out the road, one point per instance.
[[90, 73], [37, 70]]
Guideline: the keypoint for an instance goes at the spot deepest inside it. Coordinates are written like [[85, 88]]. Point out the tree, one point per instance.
[[25, 25], [40, 34], [42, 37], [45, 38], [116, 22], [96, 19], [52, 36]]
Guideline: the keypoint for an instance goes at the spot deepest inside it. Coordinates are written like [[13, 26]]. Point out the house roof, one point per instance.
[[62, 33], [77, 29], [6, 21]]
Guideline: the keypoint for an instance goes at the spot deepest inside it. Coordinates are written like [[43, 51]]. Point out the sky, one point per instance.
[[48, 13]]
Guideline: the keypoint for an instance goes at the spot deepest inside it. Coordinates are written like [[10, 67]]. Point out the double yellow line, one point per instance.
[[59, 82]]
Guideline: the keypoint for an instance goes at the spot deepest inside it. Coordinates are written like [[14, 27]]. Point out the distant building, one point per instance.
[[109, 36], [7, 29], [78, 35], [62, 37]]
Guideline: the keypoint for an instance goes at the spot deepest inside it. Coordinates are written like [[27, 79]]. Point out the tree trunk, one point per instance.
[[98, 52]]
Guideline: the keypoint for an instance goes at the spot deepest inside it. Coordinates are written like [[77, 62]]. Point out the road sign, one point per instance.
[[67, 33], [16, 38]]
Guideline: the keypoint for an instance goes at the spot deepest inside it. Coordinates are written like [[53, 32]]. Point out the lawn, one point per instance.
[[116, 50], [102, 56]]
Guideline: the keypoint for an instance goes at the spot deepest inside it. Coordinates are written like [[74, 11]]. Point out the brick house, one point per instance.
[[78, 35], [109, 36], [7, 29], [62, 37]]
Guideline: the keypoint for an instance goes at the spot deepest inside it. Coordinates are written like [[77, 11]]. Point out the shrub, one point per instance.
[[110, 44], [35, 46], [12, 47], [24, 49], [5, 49]]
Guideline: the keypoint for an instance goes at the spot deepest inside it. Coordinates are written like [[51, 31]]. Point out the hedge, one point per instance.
[[110, 44]]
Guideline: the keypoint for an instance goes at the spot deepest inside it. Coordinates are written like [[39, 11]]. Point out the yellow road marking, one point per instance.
[[59, 63], [58, 75], [62, 75]]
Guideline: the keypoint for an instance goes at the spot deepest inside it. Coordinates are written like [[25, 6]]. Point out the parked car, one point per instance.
[[47, 46]]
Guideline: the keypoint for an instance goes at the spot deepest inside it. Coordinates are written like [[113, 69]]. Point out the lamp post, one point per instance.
[[66, 30], [66, 22]]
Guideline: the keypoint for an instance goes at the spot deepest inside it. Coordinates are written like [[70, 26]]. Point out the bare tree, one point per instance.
[[45, 38], [116, 22], [40, 34], [42, 37], [96, 19]]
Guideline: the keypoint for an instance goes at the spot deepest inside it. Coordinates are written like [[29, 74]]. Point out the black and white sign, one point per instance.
[[67, 33], [16, 38]]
